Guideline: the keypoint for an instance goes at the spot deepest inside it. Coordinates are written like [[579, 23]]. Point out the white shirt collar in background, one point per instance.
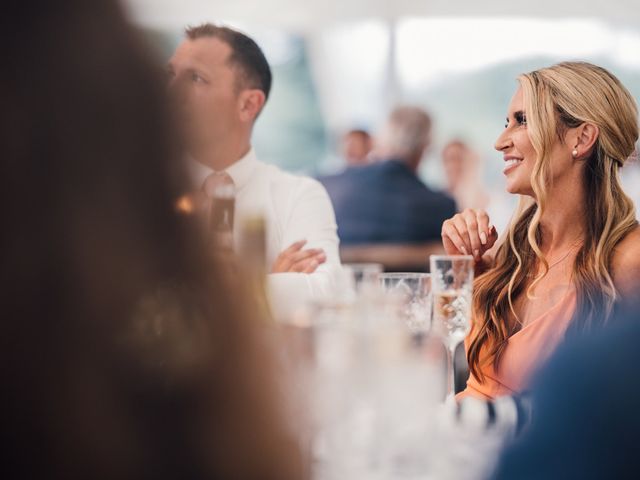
[[240, 171]]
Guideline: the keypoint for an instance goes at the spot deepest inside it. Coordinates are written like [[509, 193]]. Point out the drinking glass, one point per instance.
[[452, 284], [365, 275], [413, 290]]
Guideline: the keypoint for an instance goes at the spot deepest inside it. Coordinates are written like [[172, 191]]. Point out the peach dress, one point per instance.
[[526, 351]]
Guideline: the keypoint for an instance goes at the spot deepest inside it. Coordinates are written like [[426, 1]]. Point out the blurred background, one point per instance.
[[340, 65]]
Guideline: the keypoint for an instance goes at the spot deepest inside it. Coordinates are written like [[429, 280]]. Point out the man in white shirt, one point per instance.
[[222, 80]]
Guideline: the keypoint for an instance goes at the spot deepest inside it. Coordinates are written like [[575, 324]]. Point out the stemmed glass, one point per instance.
[[452, 285]]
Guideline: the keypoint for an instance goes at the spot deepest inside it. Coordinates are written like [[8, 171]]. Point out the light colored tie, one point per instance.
[[220, 189], [219, 185]]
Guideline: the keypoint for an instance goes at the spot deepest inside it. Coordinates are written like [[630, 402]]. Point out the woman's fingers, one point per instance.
[[484, 227], [493, 237], [471, 219], [469, 233], [452, 240], [461, 226]]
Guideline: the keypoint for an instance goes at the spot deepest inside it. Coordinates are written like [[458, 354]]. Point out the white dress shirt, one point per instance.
[[294, 208]]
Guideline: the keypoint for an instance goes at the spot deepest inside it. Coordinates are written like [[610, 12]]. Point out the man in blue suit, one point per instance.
[[386, 202]]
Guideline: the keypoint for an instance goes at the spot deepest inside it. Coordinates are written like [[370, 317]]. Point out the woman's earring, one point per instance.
[[574, 153]]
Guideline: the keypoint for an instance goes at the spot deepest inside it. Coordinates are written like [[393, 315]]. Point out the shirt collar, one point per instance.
[[240, 171]]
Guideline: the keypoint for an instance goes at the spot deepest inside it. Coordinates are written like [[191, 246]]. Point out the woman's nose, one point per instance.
[[504, 141]]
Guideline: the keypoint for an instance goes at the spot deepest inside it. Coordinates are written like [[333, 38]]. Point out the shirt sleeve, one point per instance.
[[310, 217]]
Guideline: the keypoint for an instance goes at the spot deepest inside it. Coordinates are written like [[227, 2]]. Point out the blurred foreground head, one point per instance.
[[121, 354]]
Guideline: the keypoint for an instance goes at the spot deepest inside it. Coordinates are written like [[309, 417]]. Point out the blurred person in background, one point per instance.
[[386, 202], [463, 171], [572, 250], [464, 179], [125, 354], [355, 152], [220, 80], [356, 147]]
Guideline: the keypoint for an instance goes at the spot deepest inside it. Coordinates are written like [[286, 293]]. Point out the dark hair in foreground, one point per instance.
[[121, 352], [246, 55]]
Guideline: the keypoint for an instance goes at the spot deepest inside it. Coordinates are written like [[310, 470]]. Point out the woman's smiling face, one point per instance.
[[520, 155], [516, 146]]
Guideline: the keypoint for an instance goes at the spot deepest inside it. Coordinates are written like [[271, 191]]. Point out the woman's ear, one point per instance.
[[585, 139]]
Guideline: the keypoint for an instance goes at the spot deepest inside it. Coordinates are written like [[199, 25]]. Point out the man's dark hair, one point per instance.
[[246, 55]]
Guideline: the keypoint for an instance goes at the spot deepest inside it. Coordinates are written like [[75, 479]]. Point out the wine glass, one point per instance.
[[452, 285]]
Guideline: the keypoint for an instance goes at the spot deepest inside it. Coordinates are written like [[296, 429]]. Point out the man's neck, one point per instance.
[[222, 156], [410, 164]]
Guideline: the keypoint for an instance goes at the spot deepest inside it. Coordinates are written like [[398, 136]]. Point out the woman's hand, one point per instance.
[[469, 233]]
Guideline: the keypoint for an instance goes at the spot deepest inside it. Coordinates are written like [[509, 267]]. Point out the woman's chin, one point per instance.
[[512, 187], [516, 188]]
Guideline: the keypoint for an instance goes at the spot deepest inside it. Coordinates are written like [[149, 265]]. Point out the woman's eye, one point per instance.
[[196, 78], [521, 119]]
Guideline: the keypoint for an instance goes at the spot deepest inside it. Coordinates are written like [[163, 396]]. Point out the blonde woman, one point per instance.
[[572, 250]]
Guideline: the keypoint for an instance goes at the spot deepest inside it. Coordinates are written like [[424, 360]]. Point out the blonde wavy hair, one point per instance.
[[557, 98]]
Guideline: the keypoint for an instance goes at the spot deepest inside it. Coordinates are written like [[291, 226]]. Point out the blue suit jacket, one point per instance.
[[386, 203], [586, 417]]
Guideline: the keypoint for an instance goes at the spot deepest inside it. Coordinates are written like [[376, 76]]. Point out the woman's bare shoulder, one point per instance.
[[629, 246], [625, 264]]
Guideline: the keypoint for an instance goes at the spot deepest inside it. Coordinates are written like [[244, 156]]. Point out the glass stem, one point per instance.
[[451, 372]]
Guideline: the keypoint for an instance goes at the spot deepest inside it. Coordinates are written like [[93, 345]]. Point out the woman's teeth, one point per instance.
[[509, 164]]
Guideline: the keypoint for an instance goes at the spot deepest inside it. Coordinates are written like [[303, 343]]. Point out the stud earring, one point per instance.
[[574, 153]]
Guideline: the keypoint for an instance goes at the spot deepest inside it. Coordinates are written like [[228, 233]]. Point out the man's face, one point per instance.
[[453, 159], [204, 86], [355, 148]]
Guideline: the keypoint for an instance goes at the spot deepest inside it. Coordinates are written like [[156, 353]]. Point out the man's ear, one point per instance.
[[251, 103]]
